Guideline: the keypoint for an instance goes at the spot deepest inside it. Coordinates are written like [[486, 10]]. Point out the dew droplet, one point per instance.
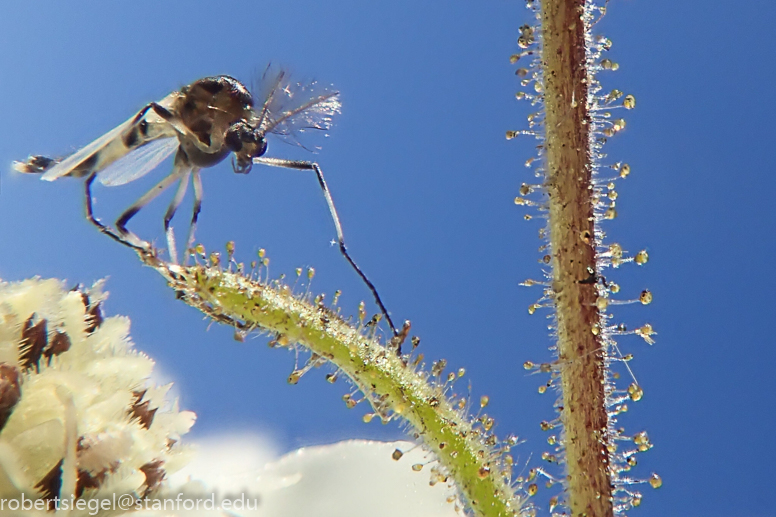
[[655, 481], [636, 501], [646, 297], [511, 134], [484, 400], [542, 390], [532, 489], [461, 372], [624, 170], [641, 258], [417, 467], [528, 365], [368, 417], [294, 377], [629, 102], [610, 213], [520, 95], [614, 287], [397, 454], [552, 439]]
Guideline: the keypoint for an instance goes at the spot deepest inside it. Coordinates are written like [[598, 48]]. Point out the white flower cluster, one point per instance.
[[79, 418]]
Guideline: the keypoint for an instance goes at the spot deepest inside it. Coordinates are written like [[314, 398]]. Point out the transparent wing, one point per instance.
[[289, 107], [138, 163], [114, 145], [70, 163]]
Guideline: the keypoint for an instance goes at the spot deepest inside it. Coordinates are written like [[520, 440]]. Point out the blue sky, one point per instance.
[[424, 181]]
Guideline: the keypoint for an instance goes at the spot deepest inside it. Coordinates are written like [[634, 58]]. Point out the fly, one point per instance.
[[202, 123]]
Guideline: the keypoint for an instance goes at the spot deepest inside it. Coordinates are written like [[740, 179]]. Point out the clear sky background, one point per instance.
[[424, 181]]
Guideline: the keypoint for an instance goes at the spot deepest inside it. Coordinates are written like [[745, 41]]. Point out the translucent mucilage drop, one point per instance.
[[629, 102], [655, 481], [641, 257]]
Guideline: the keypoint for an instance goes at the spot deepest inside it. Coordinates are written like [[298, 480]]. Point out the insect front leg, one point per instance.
[[312, 166]]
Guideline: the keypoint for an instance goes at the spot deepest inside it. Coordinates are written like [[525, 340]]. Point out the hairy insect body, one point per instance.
[[201, 123]]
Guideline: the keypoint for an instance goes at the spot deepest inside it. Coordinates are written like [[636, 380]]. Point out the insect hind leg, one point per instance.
[[137, 244]]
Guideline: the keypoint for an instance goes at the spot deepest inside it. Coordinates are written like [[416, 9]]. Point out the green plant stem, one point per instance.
[[571, 223], [392, 387]]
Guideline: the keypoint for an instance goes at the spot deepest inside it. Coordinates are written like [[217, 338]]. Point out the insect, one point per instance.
[[202, 123]]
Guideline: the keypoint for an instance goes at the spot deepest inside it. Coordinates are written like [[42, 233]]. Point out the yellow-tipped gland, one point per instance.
[[635, 392], [629, 102], [396, 455], [641, 258], [624, 170], [646, 297], [533, 489], [655, 481]]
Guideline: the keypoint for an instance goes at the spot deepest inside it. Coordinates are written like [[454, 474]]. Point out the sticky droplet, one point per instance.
[[635, 392], [646, 297], [629, 102], [641, 258], [655, 481]]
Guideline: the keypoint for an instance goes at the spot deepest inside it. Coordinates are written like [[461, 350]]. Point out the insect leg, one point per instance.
[[197, 181], [104, 229], [174, 204], [121, 222], [312, 166]]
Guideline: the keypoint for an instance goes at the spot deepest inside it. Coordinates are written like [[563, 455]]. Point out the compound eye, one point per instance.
[[261, 147]]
